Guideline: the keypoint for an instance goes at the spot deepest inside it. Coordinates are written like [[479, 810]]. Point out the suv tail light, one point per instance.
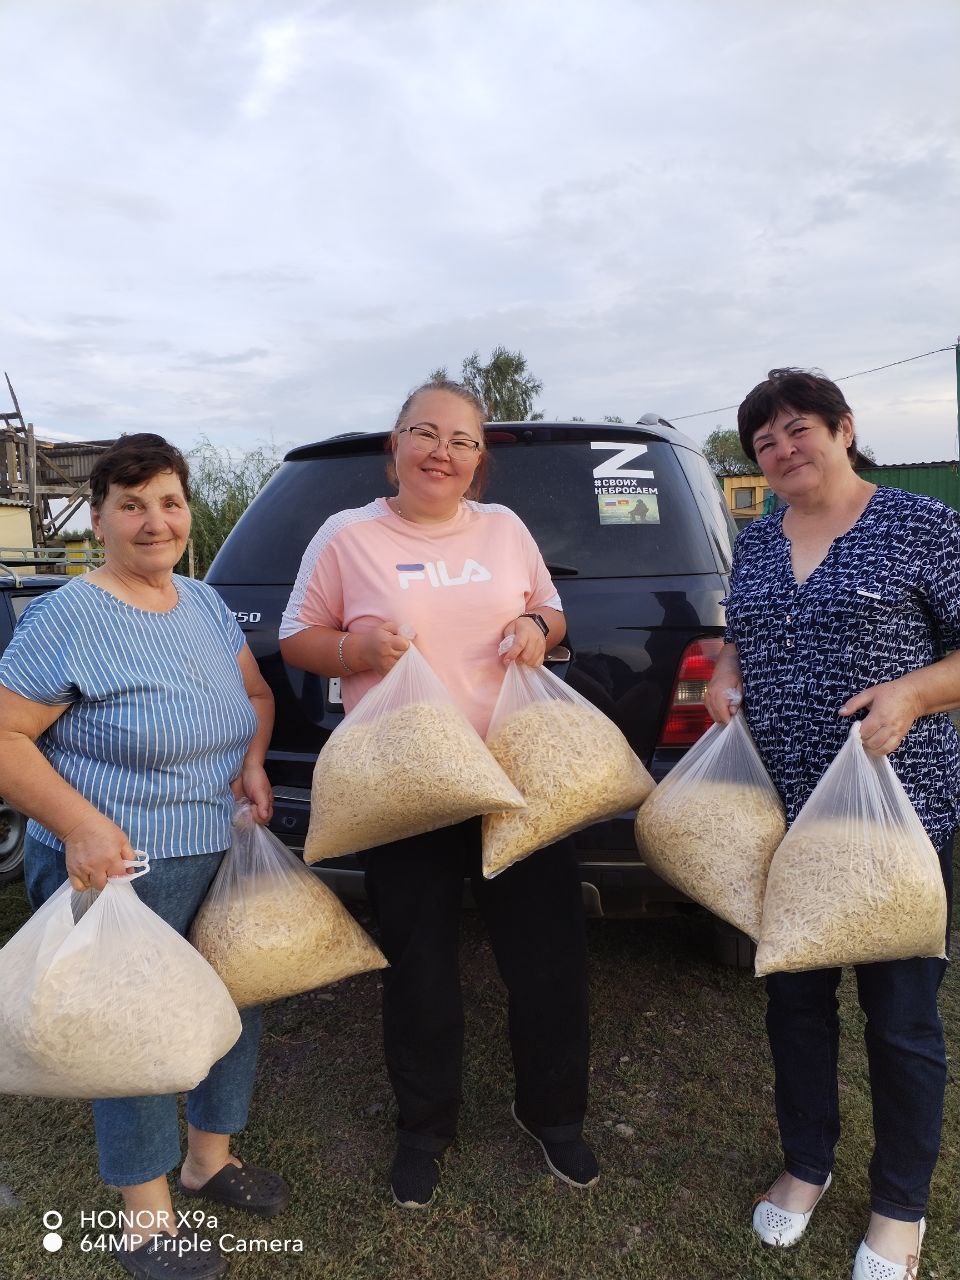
[[687, 716]]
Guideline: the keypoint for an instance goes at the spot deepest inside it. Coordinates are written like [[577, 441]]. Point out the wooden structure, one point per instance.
[[745, 496], [38, 473]]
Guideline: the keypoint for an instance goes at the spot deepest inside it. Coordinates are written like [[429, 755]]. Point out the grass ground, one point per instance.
[[681, 1116]]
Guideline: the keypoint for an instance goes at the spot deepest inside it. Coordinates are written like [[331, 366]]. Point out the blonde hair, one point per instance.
[[463, 393]]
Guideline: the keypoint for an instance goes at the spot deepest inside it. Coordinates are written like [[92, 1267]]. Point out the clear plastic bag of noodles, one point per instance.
[[856, 878], [270, 928], [711, 827], [570, 762], [405, 760], [100, 998]]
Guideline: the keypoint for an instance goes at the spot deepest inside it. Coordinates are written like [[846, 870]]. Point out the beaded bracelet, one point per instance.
[[341, 659]]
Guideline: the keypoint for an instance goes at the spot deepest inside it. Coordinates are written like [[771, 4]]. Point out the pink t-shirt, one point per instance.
[[457, 584]]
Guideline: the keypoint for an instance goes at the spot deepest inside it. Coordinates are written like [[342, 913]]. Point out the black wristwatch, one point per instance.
[[539, 621]]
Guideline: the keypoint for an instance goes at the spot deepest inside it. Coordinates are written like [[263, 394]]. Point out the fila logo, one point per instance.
[[437, 575], [616, 467]]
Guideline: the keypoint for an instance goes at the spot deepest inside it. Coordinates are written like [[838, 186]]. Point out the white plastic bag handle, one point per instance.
[[242, 814], [734, 697], [139, 866], [81, 900]]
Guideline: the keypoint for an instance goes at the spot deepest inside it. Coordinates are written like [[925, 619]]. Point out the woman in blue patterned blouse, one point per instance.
[[131, 714], [847, 602]]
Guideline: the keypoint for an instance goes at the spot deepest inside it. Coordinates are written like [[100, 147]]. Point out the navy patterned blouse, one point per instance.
[[884, 601]]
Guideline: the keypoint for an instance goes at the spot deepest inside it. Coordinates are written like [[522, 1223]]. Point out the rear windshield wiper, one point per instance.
[[562, 571]]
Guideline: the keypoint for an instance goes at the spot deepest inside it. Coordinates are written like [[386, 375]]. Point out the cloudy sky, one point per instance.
[[268, 220]]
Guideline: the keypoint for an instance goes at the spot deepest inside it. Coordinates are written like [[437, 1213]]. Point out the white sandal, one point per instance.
[[783, 1227], [868, 1265]]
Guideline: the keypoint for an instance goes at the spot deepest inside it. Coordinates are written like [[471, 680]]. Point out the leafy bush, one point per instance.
[[224, 483]]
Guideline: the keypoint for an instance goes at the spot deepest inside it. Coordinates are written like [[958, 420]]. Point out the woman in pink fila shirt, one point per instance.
[[465, 575]]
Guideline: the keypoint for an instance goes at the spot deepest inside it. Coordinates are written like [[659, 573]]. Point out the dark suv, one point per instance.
[[634, 529], [16, 592]]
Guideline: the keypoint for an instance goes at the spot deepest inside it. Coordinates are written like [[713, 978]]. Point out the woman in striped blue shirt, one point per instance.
[[132, 714]]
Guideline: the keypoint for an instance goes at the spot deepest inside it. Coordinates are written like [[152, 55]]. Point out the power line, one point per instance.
[[892, 363], [724, 408]]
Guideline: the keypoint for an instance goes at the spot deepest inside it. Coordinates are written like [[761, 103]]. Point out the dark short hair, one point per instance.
[[133, 460], [464, 393], [800, 390]]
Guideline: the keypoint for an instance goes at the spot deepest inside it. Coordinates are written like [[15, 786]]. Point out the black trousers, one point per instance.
[[534, 915]]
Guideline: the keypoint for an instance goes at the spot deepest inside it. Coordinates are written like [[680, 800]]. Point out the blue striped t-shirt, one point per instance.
[[158, 722]]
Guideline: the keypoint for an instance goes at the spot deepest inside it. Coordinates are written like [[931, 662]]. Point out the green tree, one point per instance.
[[865, 451], [223, 484], [722, 449], [503, 385]]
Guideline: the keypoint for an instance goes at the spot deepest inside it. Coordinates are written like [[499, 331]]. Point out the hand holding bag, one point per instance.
[[107, 1001], [711, 827], [570, 762], [405, 760], [270, 928], [856, 879]]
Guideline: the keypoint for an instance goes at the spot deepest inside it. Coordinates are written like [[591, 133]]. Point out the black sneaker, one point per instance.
[[572, 1162], [414, 1177]]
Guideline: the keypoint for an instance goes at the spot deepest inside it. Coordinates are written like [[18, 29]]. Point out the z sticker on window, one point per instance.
[[622, 495]]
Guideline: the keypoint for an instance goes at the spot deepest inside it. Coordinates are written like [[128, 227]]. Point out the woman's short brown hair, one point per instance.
[[133, 460], [799, 390]]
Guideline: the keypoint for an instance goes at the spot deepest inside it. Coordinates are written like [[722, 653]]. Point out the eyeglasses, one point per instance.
[[425, 440]]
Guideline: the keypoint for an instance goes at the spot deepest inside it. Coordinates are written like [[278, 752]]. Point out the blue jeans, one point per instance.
[[139, 1138], [908, 1072]]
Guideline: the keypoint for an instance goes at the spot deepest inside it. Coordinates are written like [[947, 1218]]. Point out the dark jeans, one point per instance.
[[534, 915], [139, 1138], [908, 1071]]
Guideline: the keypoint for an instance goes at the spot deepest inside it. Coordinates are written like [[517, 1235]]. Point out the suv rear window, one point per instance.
[[577, 491], [589, 511]]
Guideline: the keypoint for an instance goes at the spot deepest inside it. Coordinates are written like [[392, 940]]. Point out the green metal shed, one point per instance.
[[935, 479]]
